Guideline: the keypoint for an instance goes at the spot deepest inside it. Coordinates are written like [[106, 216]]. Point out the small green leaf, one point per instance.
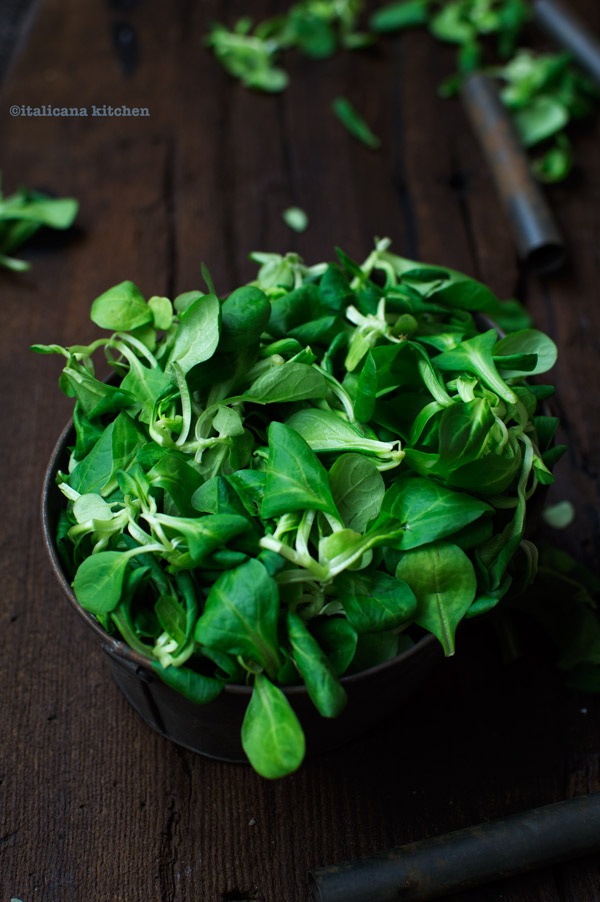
[[324, 688], [121, 308], [196, 687], [559, 515], [529, 341], [358, 488], [354, 122], [556, 163], [217, 496], [99, 581], [206, 275], [295, 218], [491, 474], [397, 16], [294, 308], [203, 535], [366, 390], [469, 56], [91, 473], [464, 431], [178, 478], [466, 294], [542, 118], [338, 640], [127, 439], [426, 511], [324, 430], [271, 733], [14, 264], [240, 615], [185, 300], [312, 33], [296, 479], [145, 385], [245, 314], [374, 600], [171, 616], [271, 79], [87, 432], [291, 381], [95, 397], [475, 356], [450, 24], [334, 289], [91, 507], [162, 312], [197, 337], [444, 582], [56, 213]]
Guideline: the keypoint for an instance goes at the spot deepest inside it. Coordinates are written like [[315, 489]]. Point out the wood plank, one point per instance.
[[15, 22], [94, 805]]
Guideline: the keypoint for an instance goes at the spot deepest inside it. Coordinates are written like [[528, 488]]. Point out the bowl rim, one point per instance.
[[118, 647]]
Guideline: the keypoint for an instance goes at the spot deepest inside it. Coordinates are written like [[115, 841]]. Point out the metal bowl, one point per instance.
[[214, 729]]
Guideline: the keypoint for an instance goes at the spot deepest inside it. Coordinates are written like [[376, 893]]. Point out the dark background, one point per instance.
[[94, 806]]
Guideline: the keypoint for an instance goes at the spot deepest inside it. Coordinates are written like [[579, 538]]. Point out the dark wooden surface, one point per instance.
[[94, 806]]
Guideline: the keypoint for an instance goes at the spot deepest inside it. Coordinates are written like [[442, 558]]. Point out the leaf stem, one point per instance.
[[317, 570], [186, 404]]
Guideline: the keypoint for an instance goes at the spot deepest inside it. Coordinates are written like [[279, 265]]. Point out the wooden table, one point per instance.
[[96, 807]]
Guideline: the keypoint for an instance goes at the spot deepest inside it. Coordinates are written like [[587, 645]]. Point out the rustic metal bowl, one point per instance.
[[214, 729]]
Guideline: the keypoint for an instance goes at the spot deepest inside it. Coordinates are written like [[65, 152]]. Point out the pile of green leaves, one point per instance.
[[317, 28], [300, 481], [543, 91], [22, 214], [466, 23]]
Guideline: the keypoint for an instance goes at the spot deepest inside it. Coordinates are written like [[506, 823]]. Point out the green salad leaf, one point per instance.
[[22, 214], [352, 120]]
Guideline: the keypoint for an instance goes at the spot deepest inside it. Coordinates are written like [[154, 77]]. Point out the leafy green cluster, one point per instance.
[[466, 23], [296, 482], [22, 214], [317, 28], [543, 91]]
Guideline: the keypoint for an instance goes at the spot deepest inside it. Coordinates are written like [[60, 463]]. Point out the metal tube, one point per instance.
[[537, 237], [466, 858], [570, 32]]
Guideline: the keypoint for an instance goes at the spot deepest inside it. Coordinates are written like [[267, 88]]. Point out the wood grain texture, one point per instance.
[[94, 806]]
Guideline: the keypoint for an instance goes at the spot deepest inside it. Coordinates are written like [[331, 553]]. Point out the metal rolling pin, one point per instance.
[[538, 240], [571, 33], [469, 857]]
